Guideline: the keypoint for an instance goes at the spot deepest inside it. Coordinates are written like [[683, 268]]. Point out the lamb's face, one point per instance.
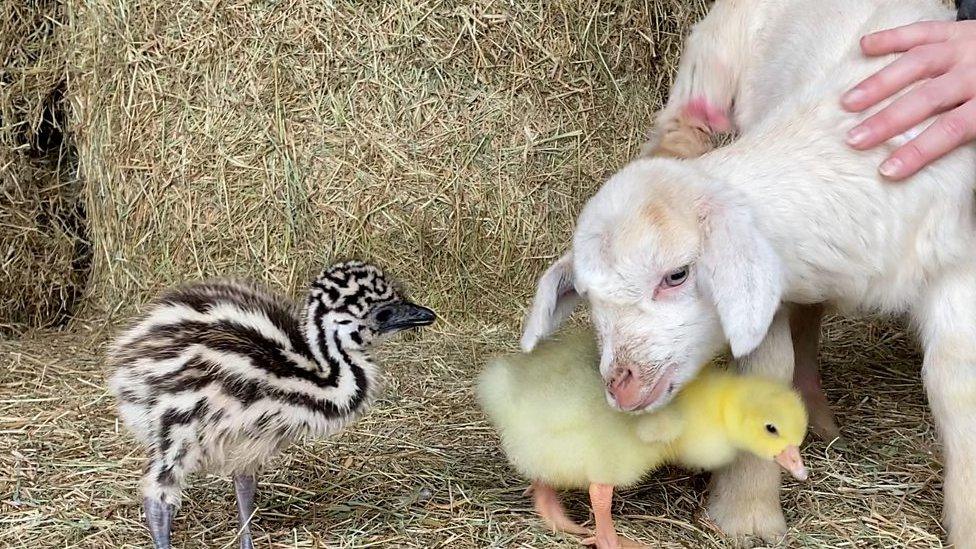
[[362, 305], [636, 263], [671, 273]]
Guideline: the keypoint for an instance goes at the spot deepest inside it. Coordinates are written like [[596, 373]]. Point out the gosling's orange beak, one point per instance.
[[790, 460]]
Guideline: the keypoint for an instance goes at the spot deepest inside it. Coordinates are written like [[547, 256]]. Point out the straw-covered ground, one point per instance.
[[424, 470], [453, 142]]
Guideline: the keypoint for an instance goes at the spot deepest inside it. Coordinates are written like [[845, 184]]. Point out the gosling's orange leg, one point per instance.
[[601, 496], [551, 510]]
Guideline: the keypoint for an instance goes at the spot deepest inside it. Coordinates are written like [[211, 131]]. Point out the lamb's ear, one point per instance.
[[555, 299], [742, 275]]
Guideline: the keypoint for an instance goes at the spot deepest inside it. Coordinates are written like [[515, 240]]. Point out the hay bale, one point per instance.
[[42, 271], [42, 267], [453, 142]]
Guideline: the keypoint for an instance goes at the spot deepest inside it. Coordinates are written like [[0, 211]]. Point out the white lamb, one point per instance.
[[680, 258]]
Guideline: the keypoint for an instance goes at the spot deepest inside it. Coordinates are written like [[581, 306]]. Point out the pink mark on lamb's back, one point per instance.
[[714, 118]]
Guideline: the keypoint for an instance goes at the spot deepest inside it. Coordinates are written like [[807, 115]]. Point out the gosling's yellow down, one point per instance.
[[558, 430]]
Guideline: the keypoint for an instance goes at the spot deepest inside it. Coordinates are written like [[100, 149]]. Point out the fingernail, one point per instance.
[[891, 167], [858, 135], [853, 97]]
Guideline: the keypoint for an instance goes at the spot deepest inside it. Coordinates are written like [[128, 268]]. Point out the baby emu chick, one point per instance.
[[557, 430], [221, 376]]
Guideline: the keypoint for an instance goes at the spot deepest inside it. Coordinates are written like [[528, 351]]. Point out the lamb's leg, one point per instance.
[[681, 136], [601, 498], [744, 497], [947, 319], [548, 506], [805, 321], [244, 487]]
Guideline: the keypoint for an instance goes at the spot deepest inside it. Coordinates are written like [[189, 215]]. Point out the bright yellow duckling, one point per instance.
[[558, 430]]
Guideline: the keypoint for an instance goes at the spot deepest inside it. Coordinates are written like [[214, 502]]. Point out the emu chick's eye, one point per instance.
[[676, 277], [771, 429]]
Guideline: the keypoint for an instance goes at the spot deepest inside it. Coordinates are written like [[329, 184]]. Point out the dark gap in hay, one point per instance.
[[45, 253], [47, 141]]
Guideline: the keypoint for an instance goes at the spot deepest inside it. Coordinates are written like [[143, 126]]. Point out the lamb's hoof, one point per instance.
[[741, 518], [823, 426]]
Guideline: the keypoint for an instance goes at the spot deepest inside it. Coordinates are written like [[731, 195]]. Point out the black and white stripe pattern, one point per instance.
[[965, 10], [220, 376]]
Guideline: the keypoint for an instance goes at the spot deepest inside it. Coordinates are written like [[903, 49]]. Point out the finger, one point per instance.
[[948, 132], [913, 108], [921, 62], [906, 37]]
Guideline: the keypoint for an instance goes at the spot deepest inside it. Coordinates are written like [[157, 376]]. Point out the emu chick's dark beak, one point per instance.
[[401, 315]]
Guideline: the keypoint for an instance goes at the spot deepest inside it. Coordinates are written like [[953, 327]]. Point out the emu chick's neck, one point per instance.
[[340, 358]]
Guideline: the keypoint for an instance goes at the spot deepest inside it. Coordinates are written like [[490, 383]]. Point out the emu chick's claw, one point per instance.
[[548, 506], [159, 518]]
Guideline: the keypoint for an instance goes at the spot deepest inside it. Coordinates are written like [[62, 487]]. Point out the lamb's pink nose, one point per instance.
[[625, 387]]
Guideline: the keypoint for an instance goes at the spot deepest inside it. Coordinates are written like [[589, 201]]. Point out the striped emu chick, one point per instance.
[[221, 376]]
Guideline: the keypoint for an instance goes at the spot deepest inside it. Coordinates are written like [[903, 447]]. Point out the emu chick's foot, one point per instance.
[[548, 506], [159, 518], [601, 497], [244, 487]]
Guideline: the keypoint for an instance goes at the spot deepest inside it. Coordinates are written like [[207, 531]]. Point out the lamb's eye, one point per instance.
[[676, 277], [771, 429]]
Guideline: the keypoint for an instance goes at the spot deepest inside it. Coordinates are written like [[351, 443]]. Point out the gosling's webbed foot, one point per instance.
[[159, 519], [548, 506], [601, 498]]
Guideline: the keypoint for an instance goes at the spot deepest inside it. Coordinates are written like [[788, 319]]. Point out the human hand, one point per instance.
[[943, 52]]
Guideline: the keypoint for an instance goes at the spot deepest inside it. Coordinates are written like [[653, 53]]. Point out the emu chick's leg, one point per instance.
[[244, 486], [159, 518], [548, 506], [805, 321]]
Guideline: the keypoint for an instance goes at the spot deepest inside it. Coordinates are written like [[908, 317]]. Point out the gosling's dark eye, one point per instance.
[[676, 277], [771, 429]]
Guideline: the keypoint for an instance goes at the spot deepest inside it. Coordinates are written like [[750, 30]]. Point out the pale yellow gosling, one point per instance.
[[558, 430]]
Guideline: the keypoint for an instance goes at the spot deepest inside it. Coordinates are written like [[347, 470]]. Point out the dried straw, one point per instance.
[[424, 468], [453, 142], [42, 249]]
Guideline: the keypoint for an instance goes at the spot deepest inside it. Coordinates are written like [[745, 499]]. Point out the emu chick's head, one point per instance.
[[359, 303]]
